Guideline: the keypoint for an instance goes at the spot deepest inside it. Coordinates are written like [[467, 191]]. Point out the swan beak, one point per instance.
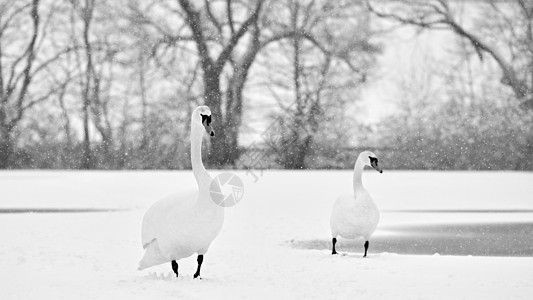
[[375, 166], [209, 131], [206, 123]]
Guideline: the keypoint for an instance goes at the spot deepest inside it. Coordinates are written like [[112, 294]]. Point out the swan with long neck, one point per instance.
[[356, 215], [181, 225]]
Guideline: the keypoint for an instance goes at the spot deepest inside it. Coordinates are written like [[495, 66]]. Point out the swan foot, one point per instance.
[[333, 251], [174, 265], [200, 260]]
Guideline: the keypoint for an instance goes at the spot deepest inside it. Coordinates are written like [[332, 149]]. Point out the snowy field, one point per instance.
[[443, 235]]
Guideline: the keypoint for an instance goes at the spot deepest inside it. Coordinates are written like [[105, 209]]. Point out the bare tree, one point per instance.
[[504, 34], [86, 13], [226, 46], [23, 67], [327, 64], [439, 14], [223, 148], [167, 81], [95, 56]]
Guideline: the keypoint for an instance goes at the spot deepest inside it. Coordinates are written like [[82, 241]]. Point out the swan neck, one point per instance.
[[357, 174], [200, 173]]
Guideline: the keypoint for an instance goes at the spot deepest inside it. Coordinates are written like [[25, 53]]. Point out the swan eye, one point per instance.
[[373, 160]]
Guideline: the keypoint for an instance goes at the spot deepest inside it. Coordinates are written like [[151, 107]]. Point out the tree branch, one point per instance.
[[212, 18], [11, 17], [510, 77], [229, 12], [31, 54], [193, 19], [226, 52]]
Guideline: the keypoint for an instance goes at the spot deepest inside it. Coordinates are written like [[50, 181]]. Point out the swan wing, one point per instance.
[[161, 219], [341, 214]]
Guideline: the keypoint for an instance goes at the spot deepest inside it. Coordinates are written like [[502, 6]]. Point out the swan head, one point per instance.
[[371, 160], [203, 116]]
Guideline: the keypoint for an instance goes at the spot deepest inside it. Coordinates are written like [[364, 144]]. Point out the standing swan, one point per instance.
[[177, 227], [356, 215]]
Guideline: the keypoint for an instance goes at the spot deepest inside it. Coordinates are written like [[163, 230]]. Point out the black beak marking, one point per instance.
[[206, 121], [374, 164]]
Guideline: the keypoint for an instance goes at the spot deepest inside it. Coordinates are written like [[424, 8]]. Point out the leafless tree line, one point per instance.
[[101, 62], [499, 32], [100, 84]]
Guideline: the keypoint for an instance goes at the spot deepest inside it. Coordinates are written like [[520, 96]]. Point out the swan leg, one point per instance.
[[175, 267], [333, 241], [366, 248], [200, 260]]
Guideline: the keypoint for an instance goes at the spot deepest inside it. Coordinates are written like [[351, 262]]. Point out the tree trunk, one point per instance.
[[144, 103], [6, 148], [294, 150], [234, 116], [86, 160], [222, 152], [224, 149], [234, 105], [527, 164]]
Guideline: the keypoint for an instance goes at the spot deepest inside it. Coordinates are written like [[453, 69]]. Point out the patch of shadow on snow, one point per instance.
[[478, 239], [169, 276], [460, 211], [55, 210]]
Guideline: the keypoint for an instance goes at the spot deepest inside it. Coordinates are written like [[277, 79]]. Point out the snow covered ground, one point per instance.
[[275, 243]]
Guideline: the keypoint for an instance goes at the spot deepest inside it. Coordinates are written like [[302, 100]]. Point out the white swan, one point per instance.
[[356, 215], [179, 226]]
